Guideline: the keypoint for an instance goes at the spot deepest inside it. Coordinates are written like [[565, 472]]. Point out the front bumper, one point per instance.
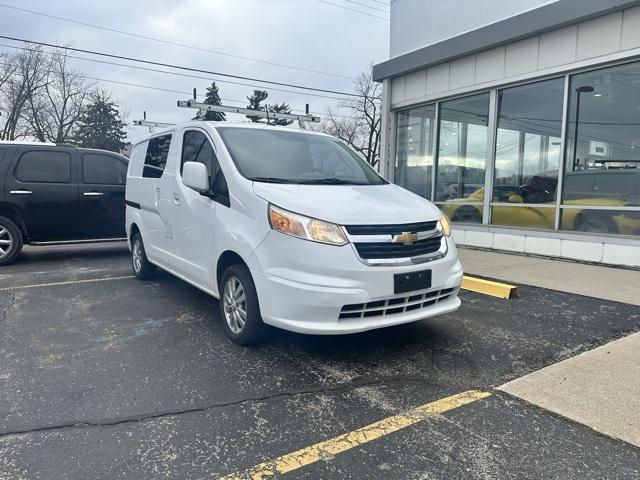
[[303, 286]]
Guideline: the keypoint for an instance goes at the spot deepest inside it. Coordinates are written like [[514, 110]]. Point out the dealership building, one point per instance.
[[521, 120]]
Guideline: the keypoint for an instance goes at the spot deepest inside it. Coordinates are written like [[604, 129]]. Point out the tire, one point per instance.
[[595, 224], [11, 241], [467, 215], [238, 306], [142, 268]]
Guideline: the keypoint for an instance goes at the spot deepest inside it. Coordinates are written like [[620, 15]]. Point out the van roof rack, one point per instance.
[[247, 111]]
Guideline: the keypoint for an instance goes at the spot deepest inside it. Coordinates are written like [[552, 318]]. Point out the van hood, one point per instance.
[[350, 204]]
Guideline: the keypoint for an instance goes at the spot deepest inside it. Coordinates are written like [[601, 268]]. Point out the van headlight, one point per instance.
[[306, 228], [444, 225]]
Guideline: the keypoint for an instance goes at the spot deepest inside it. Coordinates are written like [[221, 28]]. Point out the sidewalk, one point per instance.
[[609, 283]]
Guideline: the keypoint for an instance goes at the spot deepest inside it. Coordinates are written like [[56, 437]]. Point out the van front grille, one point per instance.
[[390, 229], [378, 250], [394, 305]]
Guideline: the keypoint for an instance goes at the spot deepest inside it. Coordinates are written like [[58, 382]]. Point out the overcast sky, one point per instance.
[[309, 34]]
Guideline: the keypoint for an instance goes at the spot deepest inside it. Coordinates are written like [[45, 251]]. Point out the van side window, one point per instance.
[[156, 157], [102, 169], [44, 166], [196, 147]]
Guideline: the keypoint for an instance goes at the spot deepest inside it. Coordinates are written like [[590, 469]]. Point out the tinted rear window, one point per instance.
[[103, 169], [44, 166], [156, 157]]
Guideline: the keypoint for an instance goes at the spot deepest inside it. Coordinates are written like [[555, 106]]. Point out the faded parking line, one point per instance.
[[347, 441], [69, 282]]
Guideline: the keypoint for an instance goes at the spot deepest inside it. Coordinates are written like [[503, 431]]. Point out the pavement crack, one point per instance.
[[5, 312], [351, 385]]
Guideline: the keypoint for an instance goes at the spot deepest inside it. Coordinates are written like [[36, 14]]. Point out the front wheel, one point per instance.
[[239, 307], [143, 269], [11, 241]]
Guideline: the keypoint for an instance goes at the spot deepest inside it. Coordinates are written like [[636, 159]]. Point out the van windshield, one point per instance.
[[294, 157]]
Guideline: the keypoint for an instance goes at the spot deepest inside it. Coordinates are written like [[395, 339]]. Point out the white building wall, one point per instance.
[[608, 38], [418, 23], [604, 39]]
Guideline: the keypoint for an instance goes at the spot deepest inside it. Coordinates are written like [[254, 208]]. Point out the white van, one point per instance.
[[286, 227]]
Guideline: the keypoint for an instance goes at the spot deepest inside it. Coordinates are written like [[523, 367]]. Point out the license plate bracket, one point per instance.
[[409, 282]]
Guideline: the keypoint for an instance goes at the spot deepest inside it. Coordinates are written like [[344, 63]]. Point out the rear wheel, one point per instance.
[[467, 215], [239, 306], [11, 241], [143, 269], [596, 224]]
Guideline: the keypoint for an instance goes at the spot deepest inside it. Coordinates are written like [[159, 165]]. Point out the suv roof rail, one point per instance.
[[68, 145]]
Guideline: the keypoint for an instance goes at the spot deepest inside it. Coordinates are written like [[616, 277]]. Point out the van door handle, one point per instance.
[[93, 194], [176, 199], [20, 192]]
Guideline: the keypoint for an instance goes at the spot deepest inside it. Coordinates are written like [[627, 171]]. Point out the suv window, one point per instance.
[[613, 185], [578, 186], [1, 155], [196, 147], [156, 157], [44, 166], [103, 169]]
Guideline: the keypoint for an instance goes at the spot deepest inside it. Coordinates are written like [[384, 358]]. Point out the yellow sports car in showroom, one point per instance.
[[533, 204]]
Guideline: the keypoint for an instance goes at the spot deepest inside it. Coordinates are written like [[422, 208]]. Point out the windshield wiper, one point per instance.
[[271, 180], [329, 181]]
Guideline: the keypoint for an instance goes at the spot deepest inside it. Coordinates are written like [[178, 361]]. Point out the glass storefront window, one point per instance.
[[596, 221], [528, 143], [602, 165], [462, 157], [603, 140], [524, 216], [599, 169], [414, 149]]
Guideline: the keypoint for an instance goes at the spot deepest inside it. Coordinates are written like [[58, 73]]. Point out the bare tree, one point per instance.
[[28, 74], [54, 110], [361, 128]]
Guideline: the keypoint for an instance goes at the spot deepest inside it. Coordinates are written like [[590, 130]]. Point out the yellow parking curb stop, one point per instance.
[[488, 287]]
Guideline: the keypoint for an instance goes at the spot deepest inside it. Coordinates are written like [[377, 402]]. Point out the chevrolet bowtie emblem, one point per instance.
[[406, 238]]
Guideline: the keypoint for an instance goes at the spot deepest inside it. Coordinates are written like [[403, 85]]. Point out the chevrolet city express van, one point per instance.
[[287, 228]]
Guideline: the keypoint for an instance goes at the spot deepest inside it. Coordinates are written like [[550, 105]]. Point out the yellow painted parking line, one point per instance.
[[488, 287], [69, 282], [347, 441]]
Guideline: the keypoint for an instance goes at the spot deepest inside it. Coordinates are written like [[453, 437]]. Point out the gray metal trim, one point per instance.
[[490, 164], [533, 22], [563, 150]]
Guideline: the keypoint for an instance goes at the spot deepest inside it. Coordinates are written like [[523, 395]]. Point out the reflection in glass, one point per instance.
[[463, 213], [524, 216], [414, 150], [528, 144], [462, 156], [603, 141], [623, 222]]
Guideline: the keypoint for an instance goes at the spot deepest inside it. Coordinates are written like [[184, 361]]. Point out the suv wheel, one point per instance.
[[11, 241], [239, 306], [143, 269]]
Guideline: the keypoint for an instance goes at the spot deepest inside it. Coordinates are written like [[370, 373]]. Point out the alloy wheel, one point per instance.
[[137, 256], [235, 305], [6, 241]]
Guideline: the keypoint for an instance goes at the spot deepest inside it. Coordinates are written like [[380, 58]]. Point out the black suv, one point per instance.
[[51, 194]]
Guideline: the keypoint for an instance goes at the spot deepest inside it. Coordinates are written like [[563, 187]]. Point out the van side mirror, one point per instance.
[[195, 176]]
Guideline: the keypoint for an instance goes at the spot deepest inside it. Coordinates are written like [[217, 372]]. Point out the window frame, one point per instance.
[[111, 156], [43, 150], [211, 193], [169, 134]]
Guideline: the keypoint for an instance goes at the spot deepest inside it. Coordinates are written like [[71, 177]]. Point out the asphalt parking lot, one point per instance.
[[104, 376]]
